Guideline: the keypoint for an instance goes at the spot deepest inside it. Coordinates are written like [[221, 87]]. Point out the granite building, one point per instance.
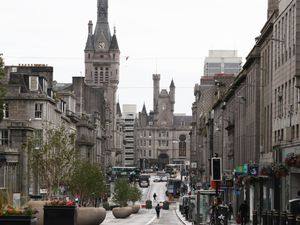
[[162, 137]]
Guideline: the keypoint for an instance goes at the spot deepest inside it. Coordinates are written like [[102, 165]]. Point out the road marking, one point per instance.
[[151, 220]]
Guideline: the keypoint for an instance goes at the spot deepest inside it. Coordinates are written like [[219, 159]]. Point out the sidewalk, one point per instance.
[[181, 217]]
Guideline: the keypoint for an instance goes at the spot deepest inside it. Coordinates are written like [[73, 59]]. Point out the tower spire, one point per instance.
[[102, 11]]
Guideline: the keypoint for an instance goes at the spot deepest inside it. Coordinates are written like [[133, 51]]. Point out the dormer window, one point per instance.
[[33, 83]]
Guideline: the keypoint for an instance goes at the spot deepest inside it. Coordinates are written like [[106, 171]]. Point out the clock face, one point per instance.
[[101, 45]]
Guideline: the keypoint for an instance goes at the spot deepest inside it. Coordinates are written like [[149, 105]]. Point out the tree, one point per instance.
[[122, 192], [52, 158], [87, 181], [135, 194], [2, 87]]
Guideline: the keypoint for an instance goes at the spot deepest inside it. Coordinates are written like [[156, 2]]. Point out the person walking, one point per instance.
[[157, 209], [243, 212], [154, 196]]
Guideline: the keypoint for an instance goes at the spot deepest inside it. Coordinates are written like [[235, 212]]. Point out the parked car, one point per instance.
[[164, 179], [156, 179], [144, 183]]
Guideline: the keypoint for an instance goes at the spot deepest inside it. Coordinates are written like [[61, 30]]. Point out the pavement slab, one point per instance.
[[167, 217]]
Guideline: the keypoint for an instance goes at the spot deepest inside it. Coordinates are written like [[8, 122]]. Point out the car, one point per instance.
[[156, 179], [164, 179], [144, 183], [148, 170]]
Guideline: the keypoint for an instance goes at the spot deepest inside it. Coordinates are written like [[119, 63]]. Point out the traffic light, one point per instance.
[[216, 169]]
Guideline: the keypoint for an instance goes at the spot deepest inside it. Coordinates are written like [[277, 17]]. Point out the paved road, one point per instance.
[[167, 217], [148, 216]]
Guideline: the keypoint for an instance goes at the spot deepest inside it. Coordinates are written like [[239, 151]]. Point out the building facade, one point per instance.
[[129, 116], [222, 62], [102, 60], [31, 108], [162, 137]]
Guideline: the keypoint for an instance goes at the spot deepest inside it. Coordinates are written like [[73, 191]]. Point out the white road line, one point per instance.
[[151, 220]]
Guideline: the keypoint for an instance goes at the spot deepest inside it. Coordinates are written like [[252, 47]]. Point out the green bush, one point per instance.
[[135, 194], [122, 192], [106, 206], [148, 204], [166, 205]]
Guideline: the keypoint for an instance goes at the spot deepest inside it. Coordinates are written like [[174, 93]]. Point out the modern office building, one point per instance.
[[129, 114], [222, 62]]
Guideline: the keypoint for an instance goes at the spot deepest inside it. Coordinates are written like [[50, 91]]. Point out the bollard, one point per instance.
[[269, 218], [264, 217], [290, 219], [283, 218], [254, 217], [276, 218]]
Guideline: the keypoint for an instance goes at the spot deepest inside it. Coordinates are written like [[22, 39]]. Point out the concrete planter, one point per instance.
[[90, 215], [39, 206], [135, 208], [122, 212]]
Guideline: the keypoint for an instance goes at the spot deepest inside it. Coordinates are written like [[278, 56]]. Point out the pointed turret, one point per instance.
[[89, 43], [144, 111], [114, 42], [172, 95], [172, 84], [119, 109]]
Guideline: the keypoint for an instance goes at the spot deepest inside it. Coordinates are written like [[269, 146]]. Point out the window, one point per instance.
[[38, 110], [5, 110], [33, 83], [182, 145], [38, 136], [150, 153], [150, 143], [150, 134], [4, 137]]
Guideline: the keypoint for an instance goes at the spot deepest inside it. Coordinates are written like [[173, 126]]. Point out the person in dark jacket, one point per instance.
[[154, 196], [243, 211], [157, 209]]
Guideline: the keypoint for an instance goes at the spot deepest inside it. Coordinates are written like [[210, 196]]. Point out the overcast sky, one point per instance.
[[169, 37]]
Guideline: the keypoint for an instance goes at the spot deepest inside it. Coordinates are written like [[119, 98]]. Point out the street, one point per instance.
[[148, 216]]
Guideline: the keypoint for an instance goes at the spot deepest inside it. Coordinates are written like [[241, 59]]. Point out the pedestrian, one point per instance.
[[154, 196], [230, 211], [157, 209], [243, 211]]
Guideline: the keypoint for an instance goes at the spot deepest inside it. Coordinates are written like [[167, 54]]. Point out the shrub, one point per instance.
[[122, 192], [166, 205], [148, 204], [135, 194]]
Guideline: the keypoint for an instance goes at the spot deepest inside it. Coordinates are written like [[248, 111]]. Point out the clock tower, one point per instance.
[[102, 60]]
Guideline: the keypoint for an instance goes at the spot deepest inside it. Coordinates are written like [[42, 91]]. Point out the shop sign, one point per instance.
[[253, 170], [242, 169]]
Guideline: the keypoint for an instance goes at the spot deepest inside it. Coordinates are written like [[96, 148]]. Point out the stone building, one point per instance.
[[31, 108], [102, 60], [95, 115], [210, 89], [162, 137], [256, 123]]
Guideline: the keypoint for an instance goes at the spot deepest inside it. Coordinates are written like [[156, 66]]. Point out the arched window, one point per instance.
[[182, 145]]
